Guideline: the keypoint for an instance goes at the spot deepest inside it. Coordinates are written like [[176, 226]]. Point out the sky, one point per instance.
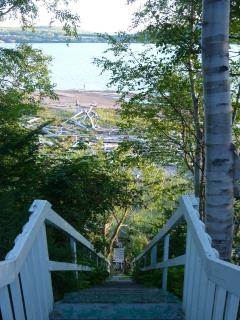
[[97, 15]]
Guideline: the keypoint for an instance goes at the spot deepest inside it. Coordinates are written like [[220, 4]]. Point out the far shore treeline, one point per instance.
[[57, 35]]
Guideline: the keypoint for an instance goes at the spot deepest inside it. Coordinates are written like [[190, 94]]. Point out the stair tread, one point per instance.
[[121, 311], [118, 300], [120, 296]]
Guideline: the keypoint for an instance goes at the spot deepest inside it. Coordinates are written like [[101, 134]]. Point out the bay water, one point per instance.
[[72, 66]]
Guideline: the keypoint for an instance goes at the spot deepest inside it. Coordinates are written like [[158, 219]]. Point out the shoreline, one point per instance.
[[69, 100]]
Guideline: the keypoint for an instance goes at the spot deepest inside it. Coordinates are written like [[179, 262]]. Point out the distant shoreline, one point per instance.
[[56, 35], [50, 41], [70, 99]]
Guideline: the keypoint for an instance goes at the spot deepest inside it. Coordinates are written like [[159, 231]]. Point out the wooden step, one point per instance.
[[123, 311], [118, 300], [120, 295]]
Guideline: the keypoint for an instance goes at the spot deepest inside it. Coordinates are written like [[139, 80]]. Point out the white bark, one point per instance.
[[218, 124]]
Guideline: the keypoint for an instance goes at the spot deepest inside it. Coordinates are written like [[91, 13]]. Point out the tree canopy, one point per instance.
[[27, 12], [161, 87]]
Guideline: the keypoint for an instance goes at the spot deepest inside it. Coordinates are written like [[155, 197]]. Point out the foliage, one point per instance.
[[161, 192], [234, 18], [154, 279], [150, 279], [24, 80], [86, 190], [26, 170], [64, 282], [25, 70], [177, 247], [22, 72], [27, 12], [161, 87], [236, 233], [98, 275]]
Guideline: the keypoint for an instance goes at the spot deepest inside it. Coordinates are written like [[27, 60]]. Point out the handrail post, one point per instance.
[[165, 258], [144, 261], [73, 246], [154, 255]]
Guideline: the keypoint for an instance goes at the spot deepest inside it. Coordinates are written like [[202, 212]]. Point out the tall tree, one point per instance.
[[168, 84], [167, 111], [218, 125], [23, 72]]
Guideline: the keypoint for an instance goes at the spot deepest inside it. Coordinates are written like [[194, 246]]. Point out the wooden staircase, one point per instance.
[[118, 299], [211, 288]]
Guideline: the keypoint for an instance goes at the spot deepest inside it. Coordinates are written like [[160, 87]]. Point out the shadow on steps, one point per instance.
[[118, 299]]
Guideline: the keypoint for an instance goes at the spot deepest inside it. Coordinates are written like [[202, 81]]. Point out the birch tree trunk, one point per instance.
[[218, 125]]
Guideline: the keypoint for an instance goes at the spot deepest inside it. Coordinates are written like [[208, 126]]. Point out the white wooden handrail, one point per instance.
[[172, 222], [211, 286], [25, 275], [59, 222]]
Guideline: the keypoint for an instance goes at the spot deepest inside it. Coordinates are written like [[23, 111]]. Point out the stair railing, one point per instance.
[[211, 286], [26, 291]]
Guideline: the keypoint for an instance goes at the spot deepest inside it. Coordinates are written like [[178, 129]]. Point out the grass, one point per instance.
[[108, 117], [57, 115]]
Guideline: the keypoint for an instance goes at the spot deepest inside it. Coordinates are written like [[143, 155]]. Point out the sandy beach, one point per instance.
[[69, 99]]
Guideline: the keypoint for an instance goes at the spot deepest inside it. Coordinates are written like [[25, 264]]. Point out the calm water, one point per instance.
[[72, 66]]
